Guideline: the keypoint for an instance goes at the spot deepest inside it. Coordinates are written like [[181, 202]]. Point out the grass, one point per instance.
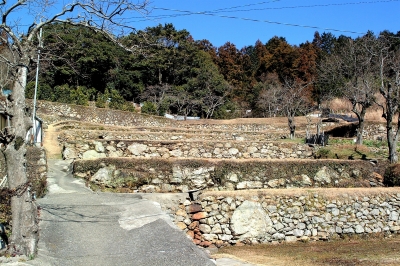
[[346, 152], [354, 251]]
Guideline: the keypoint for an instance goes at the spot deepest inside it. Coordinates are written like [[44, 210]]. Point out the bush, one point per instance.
[[392, 175], [149, 108], [101, 100]]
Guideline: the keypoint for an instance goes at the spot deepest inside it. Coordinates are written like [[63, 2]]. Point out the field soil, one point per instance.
[[371, 251]]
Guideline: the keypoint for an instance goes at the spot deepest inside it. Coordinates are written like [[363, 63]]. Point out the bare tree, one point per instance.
[[157, 94], [269, 97], [105, 17], [389, 75], [351, 71], [295, 100], [211, 102], [184, 102]]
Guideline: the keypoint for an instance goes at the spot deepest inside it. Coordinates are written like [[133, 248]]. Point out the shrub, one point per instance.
[[101, 100], [392, 175], [149, 108]]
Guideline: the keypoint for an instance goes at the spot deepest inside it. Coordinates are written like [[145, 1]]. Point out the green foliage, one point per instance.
[[30, 90], [116, 101], [346, 152], [62, 94], [210, 80], [101, 100], [227, 111], [80, 95], [149, 108]]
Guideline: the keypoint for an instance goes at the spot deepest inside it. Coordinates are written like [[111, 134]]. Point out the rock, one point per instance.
[[69, 153], [249, 185], [305, 180], [394, 216], [181, 212], [205, 228], [210, 237], [103, 175], [290, 238], [250, 220], [252, 149], [137, 149], [199, 216], [323, 175], [92, 154], [233, 151], [114, 154], [176, 153], [181, 225], [195, 207], [216, 229], [198, 178], [99, 146], [232, 177], [359, 229], [276, 182]]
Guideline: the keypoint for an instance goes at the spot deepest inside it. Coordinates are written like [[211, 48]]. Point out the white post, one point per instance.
[[36, 85]]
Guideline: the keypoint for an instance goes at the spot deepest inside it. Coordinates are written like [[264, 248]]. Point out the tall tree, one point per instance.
[[351, 68], [100, 16], [388, 52]]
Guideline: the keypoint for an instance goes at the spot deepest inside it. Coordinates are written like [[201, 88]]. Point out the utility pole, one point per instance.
[[34, 133]]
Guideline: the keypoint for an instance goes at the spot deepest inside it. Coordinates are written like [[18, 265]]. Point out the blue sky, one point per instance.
[[244, 22]]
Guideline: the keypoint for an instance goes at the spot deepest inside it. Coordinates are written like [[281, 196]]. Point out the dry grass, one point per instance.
[[328, 193], [370, 251], [374, 113]]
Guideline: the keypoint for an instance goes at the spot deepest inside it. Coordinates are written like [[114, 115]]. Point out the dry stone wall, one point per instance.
[[180, 175], [269, 218], [56, 112], [166, 134], [185, 149]]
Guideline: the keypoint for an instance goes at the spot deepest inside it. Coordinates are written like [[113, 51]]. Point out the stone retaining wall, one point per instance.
[[262, 217], [55, 112], [185, 149], [180, 175], [166, 134]]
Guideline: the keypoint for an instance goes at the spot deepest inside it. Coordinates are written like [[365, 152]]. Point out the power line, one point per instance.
[[278, 8], [264, 21], [217, 13]]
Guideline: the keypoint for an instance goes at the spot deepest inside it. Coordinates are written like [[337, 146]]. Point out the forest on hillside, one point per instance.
[[170, 72]]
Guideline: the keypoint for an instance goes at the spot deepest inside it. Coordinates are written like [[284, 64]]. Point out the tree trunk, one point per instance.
[[292, 126], [24, 212], [361, 124], [391, 138]]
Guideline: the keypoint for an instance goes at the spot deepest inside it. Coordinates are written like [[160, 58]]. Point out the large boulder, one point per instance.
[[103, 176], [137, 149], [250, 221]]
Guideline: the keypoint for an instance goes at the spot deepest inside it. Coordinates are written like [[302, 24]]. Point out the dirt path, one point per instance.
[[50, 142]]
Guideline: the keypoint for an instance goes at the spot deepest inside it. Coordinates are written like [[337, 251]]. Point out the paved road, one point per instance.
[[80, 227]]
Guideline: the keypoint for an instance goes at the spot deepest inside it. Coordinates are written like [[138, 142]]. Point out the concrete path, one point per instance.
[[80, 227]]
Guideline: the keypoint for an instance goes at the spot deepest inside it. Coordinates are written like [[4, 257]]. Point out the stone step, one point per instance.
[[182, 175]]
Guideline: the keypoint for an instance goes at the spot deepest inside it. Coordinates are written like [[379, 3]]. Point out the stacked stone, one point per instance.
[[181, 149], [156, 134], [272, 219]]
